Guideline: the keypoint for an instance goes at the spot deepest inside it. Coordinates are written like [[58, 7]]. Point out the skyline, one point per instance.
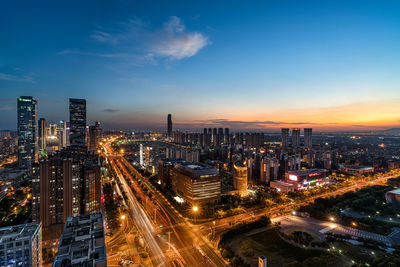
[[331, 66]]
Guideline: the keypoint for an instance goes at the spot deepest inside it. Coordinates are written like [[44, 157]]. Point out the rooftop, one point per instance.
[[18, 232], [307, 172]]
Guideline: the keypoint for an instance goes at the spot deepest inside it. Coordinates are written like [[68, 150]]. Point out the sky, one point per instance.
[[255, 65]]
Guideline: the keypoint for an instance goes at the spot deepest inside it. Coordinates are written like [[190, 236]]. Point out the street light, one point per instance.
[[195, 209], [332, 219], [122, 217]]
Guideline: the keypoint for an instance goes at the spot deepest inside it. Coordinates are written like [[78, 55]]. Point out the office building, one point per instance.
[[77, 122], [83, 242], [295, 137], [285, 137], [20, 245], [27, 115], [240, 177], [308, 137], [196, 182], [42, 135], [169, 125]]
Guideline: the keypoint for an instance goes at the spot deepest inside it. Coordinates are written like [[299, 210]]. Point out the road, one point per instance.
[[187, 245]]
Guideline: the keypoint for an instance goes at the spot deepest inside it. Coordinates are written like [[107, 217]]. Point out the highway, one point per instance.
[[187, 245]]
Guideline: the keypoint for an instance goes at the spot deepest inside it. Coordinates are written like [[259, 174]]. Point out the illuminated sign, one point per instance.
[[292, 177], [314, 174]]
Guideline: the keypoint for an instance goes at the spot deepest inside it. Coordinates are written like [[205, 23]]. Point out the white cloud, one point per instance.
[[176, 43], [14, 78]]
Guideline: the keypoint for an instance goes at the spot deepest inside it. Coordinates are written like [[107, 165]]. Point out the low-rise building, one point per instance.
[[282, 186], [304, 179], [355, 169], [20, 245], [393, 197], [82, 243]]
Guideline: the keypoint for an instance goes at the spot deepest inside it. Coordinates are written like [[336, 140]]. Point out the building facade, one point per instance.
[[77, 122], [20, 245], [308, 137], [240, 177], [27, 116]]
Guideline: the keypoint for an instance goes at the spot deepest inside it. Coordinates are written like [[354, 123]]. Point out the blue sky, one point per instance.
[[241, 64]]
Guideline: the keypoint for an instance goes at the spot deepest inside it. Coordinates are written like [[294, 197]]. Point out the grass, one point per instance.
[[277, 251]]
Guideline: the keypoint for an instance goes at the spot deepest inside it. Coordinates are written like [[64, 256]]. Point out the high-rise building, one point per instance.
[[285, 137], [308, 137], [77, 121], [27, 115], [295, 137], [83, 242], [262, 261], [91, 186], [169, 125], [269, 168], [42, 135], [94, 136], [21, 245], [63, 134], [61, 183], [240, 177]]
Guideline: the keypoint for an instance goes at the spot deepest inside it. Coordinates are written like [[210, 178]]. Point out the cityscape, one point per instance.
[[190, 133]]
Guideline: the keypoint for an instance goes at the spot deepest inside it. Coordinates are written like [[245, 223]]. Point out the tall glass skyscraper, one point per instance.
[[77, 121], [27, 114], [169, 125]]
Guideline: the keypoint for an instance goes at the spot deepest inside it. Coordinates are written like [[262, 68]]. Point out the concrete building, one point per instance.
[[240, 177], [282, 186], [308, 137], [393, 197], [355, 169], [42, 135], [83, 242], [94, 136], [285, 137], [20, 245], [26, 126], [269, 168], [196, 182], [295, 138]]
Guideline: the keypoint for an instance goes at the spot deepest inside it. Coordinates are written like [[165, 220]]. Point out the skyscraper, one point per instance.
[[63, 133], [169, 125], [308, 137], [295, 137], [77, 120], [27, 112], [42, 134], [240, 177], [285, 137]]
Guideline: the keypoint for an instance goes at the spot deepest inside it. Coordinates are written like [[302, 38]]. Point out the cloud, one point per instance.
[[176, 43], [9, 77], [109, 110], [172, 41], [85, 53]]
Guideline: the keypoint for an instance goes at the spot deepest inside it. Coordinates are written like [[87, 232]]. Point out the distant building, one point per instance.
[[196, 182], [240, 177], [169, 125], [295, 137], [83, 242], [20, 245], [26, 120], [42, 135], [269, 168], [308, 137], [393, 197], [285, 137], [77, 121], [304, 179], [262, 261], [355, 169]]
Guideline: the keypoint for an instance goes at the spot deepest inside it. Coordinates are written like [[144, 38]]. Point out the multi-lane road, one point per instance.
[[187, 246]]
